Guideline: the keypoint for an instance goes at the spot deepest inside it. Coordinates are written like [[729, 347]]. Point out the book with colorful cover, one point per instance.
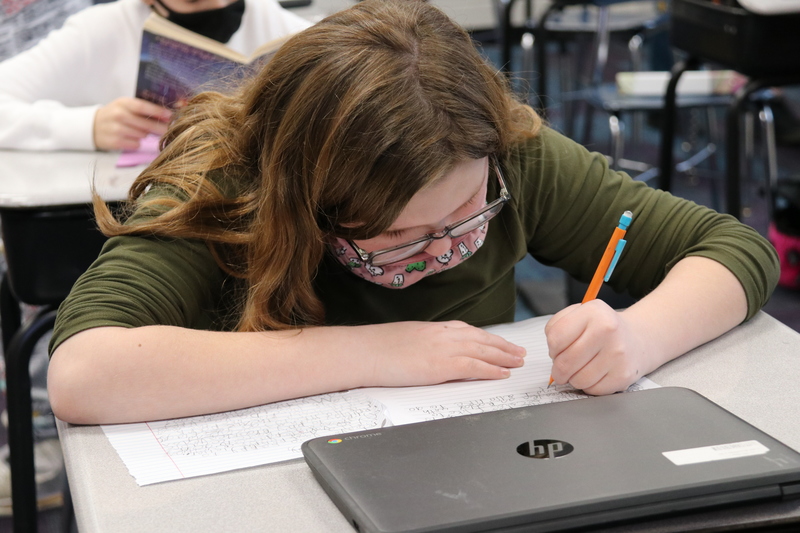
[[176, 63]]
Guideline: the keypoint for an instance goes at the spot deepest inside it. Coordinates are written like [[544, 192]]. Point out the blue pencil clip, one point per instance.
[[617, 253]]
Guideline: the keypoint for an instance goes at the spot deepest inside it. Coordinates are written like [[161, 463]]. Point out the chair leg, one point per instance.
[[733, 186], [503, 32], [617, 140], [20, 424], [588, 125], [714, 135], [635, 44], [749, 140], [602, 43], [541, 56], [666, 159], [767, 120], [526, 69], [10, 313], [567, 73]]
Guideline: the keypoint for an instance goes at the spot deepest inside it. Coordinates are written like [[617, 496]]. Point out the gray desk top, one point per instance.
[[753, 371], [42, 179]]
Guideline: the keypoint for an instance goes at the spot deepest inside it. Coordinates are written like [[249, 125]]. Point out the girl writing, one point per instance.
[[353, 215]]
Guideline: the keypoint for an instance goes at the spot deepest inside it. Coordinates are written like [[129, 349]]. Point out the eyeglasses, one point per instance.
[[458, 229]]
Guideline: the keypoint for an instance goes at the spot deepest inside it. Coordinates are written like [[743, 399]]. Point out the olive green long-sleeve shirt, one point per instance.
[[565, 204]]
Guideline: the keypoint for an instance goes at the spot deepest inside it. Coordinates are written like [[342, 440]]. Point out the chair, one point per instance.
[[587, 90], [46, 250], [746, 42], [607, 97], [564, 22]]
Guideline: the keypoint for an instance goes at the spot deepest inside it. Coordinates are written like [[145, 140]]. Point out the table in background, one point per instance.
[[765, 48], [753, 371], [49, 238]]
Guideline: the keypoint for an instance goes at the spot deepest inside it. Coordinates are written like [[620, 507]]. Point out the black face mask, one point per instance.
[[218, 24]]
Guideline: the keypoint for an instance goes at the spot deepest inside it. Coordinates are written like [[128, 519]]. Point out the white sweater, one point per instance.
[[50, 93]]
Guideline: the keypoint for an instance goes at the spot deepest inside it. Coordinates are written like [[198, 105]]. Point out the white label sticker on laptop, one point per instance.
[[718, 452]]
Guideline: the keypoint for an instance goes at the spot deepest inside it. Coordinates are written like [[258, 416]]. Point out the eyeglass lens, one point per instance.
[[476, 222], [399, 254], [465, 227]]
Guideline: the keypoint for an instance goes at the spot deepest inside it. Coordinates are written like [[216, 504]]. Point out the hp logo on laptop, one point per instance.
[[544, 449]]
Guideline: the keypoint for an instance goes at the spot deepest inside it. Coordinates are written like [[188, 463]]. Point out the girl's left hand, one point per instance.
[[595, 349]]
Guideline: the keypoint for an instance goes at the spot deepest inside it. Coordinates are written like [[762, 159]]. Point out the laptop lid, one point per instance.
[[554, 466]]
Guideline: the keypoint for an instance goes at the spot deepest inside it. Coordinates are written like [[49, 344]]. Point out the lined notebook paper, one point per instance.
[[200, 445], [174, 449]]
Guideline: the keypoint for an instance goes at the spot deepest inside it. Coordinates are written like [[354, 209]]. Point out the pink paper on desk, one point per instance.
[[148, 150]]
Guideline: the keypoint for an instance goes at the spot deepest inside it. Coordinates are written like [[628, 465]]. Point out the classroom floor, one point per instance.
[[545, 290]]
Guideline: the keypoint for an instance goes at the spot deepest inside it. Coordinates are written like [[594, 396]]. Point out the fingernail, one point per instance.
[[519, 360], [506, 373]]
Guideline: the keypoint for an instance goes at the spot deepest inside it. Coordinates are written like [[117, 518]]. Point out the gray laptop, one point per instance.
[[553, 467]]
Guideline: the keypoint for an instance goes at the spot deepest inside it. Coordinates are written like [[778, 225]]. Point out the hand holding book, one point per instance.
[[124, 122]]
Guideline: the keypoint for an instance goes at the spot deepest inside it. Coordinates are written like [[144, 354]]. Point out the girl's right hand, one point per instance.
[[425, 353]]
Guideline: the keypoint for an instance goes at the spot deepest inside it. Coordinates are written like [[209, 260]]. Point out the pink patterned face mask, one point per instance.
[[409, 271]]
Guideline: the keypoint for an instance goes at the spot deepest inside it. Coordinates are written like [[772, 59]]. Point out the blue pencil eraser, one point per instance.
[[625, 220]]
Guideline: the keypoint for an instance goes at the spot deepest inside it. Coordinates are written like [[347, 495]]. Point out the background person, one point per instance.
[[75, 89]]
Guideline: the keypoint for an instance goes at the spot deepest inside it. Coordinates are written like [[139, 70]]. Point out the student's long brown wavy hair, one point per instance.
[[348, 121]]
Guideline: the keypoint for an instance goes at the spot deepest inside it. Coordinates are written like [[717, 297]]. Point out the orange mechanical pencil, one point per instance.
[[608, 261]]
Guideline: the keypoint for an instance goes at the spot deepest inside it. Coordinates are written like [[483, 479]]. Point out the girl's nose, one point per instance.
[[440, 246]]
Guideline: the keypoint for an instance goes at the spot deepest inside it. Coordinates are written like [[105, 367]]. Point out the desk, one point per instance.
[[40, 179], [753, 371], [49, 240]]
